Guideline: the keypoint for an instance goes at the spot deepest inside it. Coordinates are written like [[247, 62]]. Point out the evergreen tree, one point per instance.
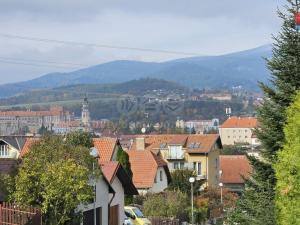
[[257, 205], [288, 170], [123, 159]]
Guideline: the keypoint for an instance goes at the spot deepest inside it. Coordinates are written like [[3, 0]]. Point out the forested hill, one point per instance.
[[78, 91]]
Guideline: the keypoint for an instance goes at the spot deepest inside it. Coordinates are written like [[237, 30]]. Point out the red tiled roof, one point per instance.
[[240, 122], [27, 145], [112, 169], [234, 167], [105, 147], [144, 165], [109, 170], [30, 113]]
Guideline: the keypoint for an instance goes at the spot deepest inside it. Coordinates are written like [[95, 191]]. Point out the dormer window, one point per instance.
[[163, 145], [3, 150], [194, 145]]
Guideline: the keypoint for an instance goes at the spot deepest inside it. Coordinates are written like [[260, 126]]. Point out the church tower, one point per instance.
[[85, 113]]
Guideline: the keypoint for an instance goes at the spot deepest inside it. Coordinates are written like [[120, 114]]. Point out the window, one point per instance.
[[194, 145], [228, 136], [199, 172], [246, 136], [181, 165], [155, 180], [160, 175], [3, 150], [175, 165], [216, 162], [195, 166], [163, 145]]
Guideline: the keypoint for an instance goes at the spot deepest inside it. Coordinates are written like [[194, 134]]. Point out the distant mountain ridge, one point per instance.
[[94, 91], [242, 68]]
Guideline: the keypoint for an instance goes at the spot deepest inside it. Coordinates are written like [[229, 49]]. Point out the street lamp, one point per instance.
[[192, 180], [95, 155], [221, 186]]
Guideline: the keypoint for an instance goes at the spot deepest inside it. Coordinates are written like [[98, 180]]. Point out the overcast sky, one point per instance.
[[204, 27]]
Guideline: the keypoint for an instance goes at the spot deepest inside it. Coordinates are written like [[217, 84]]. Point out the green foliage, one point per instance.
[[235, 150], [123, 159], [57, 181], [65, 186], [79, 138], [180, 181], [168, 204], [257, 205], [288, 170]]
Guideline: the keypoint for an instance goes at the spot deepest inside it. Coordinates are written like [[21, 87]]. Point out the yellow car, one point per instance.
[[136, 216]]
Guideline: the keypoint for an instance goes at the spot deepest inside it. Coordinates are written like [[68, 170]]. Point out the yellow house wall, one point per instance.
[[209, 166], [198, 158]]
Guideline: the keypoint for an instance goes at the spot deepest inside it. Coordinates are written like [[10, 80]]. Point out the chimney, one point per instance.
[[140, 143]]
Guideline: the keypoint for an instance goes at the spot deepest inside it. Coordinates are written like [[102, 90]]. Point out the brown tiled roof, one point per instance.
[[105, 147], [29, 141], [240, 122], [234, 167], [178, 140], [154, 142], [144, 165], [206, 142]]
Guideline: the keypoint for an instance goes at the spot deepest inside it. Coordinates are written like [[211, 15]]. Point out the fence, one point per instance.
[[11, 214], [164, 221]]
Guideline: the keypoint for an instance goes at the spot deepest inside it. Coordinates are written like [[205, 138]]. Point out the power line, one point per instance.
[[45, 40], [32, 64], [41, 61]]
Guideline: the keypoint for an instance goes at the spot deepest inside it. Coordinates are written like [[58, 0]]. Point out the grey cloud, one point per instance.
[[255, 10]]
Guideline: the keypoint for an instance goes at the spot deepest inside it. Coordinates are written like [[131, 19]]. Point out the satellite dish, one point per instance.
[[143, 130]]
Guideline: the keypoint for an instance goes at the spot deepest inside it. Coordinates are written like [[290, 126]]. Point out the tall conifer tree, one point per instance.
[[257, 204]]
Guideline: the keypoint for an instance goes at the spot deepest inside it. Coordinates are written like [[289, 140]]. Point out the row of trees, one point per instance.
[[55, 177], [260, 204]]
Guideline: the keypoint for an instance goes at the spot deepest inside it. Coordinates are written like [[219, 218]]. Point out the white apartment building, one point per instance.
[[239, 130]]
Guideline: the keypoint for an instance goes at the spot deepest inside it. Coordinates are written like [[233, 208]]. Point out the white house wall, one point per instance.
[[160, 186], [102, 200], [118, 198]]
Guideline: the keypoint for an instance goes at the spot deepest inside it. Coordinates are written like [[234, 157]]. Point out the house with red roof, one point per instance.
[[234, 169], [111, 189], [239, 130], [178, 151], [150, 171]]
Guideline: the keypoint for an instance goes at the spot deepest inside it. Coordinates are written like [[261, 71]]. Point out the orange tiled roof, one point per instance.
[[154, 142], [26, 147], [109, 170], [105, 147], [234, 167], [144, 165], [240, 122], [112, 169], [30, 113]]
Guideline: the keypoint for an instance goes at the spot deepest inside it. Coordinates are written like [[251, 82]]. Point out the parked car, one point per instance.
[[136, 216], [127, 220]]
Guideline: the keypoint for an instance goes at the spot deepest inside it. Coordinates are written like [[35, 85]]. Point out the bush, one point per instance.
[[170, 204]]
